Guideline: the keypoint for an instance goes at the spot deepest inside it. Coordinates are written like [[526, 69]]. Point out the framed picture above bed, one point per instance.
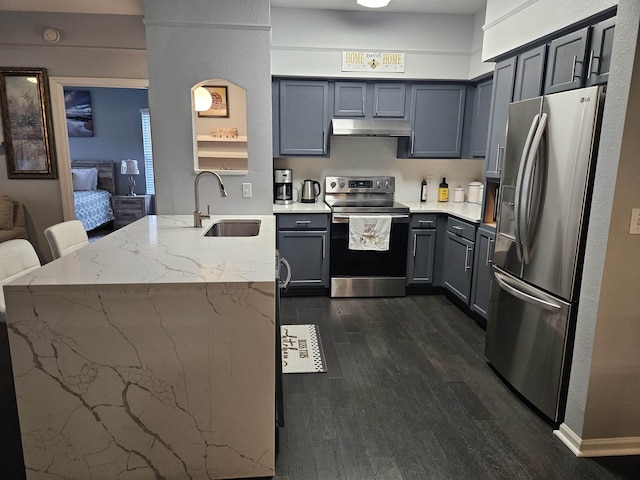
[[27, 125], [77, 104]]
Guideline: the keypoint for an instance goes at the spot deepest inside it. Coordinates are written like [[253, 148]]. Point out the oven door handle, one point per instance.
[[345, 218]]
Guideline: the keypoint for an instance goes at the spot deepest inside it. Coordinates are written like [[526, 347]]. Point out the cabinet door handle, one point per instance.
[[500, 148], [363, 105], [466, 259], [573, 68], [413, 138], [323, 246], [415, 240], [324, 147], [489, 257], [377, 103]]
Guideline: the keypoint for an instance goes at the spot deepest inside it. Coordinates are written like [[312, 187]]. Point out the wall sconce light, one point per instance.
[[130, 167], [202, 99], [373, 3]]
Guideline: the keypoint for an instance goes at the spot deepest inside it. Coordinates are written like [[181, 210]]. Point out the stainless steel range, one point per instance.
[[366, 273]]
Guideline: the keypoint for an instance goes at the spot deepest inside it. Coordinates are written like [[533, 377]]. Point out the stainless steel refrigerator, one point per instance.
[[540, 231]]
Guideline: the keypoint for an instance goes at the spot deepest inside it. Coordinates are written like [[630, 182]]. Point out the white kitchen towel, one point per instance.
[[369, 232]]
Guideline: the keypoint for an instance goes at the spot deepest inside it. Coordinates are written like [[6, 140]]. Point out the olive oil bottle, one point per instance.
[[423, 190], [443, 191]]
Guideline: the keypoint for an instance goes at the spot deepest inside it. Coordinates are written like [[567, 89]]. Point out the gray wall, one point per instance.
[[230, 42], [604, 389], [100, 46], [117, 132]]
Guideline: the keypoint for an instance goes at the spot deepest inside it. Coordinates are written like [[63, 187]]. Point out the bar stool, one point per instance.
[[17, 257], [66, 237]]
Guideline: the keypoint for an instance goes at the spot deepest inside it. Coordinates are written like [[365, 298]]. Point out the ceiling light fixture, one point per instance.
[[373, 3]]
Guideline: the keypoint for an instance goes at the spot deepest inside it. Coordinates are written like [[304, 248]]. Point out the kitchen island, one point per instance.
[[149, 354]]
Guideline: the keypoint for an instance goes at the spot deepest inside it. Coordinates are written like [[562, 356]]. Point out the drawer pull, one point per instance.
[[303, 222]]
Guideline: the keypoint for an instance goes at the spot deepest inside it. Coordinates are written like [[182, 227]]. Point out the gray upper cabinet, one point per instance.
[[503, 83], [389, 100], [304, 118], [369, 99], [566, 62], [481, 114], [350, 99], [437, 117], [599, 61], [530, 74]]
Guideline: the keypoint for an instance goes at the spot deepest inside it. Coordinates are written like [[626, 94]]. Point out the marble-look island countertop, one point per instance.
[[149, 353], [166, 249]]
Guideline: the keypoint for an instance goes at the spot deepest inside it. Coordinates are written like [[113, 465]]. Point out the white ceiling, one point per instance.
[[135, 7], [406, 6]]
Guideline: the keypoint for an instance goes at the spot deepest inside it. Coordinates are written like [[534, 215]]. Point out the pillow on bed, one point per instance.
[[84, 178]]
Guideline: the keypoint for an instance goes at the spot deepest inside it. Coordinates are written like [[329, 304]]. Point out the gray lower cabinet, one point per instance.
[[303, 241], [422, 243], [304, 118], [482, 277], [566, 62], [437, 118], [458, 258]]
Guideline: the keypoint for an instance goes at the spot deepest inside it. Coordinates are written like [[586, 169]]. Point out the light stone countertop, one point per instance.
[[165, 249], [466, 211], [297, 207], [471, 212]]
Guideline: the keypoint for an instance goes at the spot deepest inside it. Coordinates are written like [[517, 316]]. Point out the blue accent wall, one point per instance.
[[117, 131]]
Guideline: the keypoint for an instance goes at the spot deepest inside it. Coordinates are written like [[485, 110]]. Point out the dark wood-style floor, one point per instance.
[[408, 395]]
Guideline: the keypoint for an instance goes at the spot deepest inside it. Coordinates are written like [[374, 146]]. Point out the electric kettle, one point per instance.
[[309, 194]]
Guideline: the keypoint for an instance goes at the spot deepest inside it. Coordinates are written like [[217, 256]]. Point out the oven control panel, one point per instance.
[[360, 184]]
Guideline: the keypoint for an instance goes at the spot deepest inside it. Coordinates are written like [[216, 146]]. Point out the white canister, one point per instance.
[[458, 195], [475, 192]]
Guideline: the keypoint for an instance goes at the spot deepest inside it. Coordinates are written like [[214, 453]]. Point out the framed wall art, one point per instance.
[[220, 104], [77, 104], [27, 125]]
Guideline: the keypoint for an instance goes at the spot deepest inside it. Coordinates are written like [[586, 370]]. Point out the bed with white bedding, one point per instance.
[[93, 186]]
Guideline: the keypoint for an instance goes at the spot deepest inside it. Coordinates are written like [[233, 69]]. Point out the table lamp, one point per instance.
[[130, 167]]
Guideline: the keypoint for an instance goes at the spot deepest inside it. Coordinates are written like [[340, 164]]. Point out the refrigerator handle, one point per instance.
[[503, 282], [518, 194], [529, 220]]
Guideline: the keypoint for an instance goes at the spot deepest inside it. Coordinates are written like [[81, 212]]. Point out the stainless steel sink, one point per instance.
[[234, 228]]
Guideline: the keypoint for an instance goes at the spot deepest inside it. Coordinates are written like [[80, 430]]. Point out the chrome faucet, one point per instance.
[[197, 216]]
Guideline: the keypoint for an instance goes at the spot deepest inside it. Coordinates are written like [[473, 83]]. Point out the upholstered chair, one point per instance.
[[17, 257], [66, 237]]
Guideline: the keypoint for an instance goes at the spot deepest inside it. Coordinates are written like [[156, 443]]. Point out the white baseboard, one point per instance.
[[601, 447]]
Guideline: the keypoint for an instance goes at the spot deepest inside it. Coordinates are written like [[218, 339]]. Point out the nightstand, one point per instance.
[[128, 209]]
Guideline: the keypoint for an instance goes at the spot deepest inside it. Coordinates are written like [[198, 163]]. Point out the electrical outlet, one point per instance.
[[246, 190], [634, 227]]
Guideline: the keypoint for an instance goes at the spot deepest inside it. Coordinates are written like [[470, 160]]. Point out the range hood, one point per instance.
[[370, 127]]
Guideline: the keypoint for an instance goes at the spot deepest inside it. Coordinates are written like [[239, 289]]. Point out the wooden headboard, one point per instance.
[[106, 173]]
